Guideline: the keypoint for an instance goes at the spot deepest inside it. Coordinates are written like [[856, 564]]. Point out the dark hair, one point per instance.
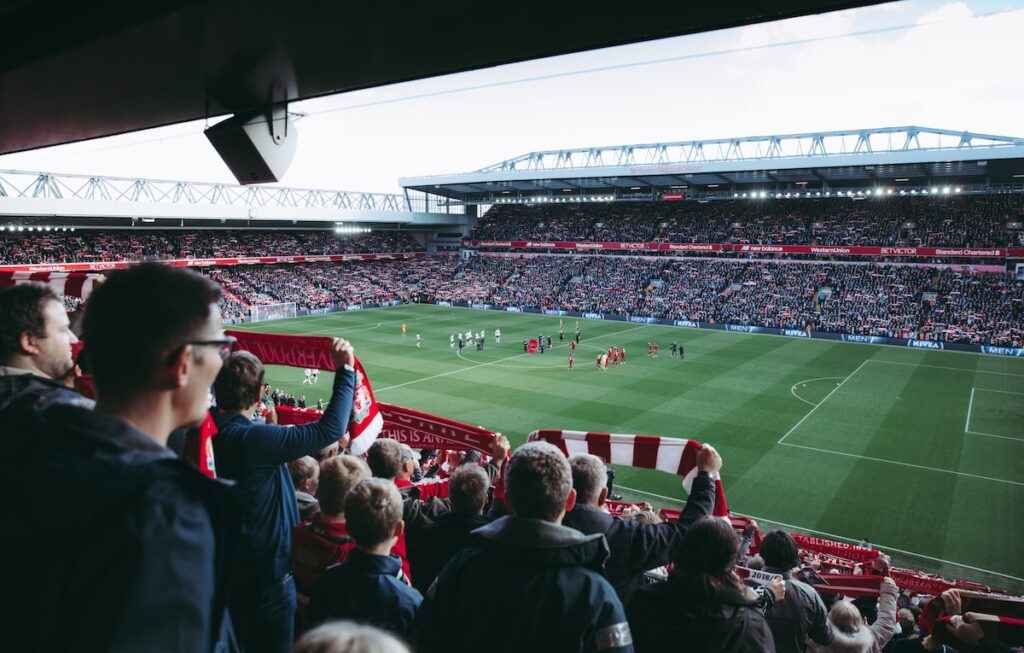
[[468, 489], [539, 481], [136, 317], [385, 458], [22, 309], [372, 508], [779, 550], [706, 556], [239, 381]]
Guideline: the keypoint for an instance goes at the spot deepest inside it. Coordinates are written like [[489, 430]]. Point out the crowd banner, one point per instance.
[[418, 429], [106, 266], [747, 248], [830, 547]]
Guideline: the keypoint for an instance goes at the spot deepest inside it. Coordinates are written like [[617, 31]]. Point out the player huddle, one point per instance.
[[472, 339], [614, 356]]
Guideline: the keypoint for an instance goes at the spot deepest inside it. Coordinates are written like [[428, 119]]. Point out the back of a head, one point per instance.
[[589, 477], [467, 489], [538, 482], [707, 554], [845, 616], [372, 509], [385, 458], [338, 475], [239, 381], [779, 550], [136, 317], [302, 470], [347, 637]]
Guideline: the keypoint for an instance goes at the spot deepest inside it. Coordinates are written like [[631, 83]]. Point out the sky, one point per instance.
[[933, 63]]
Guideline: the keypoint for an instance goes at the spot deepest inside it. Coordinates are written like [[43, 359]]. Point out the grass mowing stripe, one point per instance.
[[905, 464], [820, 403]]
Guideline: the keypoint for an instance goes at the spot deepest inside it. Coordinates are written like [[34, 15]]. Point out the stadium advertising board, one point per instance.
[[823, 250]]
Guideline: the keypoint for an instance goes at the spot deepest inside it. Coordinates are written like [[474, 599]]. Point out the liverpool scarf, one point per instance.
[[314, 352], [672, 455]]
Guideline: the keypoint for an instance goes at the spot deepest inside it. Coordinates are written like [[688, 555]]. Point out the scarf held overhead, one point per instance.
[[672, 455], [314, 352]]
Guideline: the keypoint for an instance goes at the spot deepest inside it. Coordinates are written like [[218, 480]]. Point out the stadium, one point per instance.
[[839, 314]]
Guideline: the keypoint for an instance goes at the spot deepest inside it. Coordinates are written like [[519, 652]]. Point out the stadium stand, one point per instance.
[[899, 301], [111, 245], [901, 221]]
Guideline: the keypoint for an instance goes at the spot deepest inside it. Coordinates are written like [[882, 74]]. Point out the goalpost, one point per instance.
[[264, 312]]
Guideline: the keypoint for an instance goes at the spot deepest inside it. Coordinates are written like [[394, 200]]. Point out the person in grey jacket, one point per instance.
[[801, 614], [852, 635]]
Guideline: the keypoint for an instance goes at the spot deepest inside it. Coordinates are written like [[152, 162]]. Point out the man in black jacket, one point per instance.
[[540, 579], [636, 547], [117, 543], [35, 349], [263, 599], [801, 614], [433, 546]]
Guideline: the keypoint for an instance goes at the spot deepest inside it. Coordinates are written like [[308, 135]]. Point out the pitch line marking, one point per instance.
[[792, 388], [970, 407], [525, 368], [494, 362], [819, 404], [946, 367], [833, 535], [993, 435], [904, 464]]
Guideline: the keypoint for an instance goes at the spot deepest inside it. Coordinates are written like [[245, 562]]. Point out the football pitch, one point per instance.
[[920, 452]]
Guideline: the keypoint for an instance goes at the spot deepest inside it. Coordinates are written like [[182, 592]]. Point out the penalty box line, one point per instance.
[[970, 408]]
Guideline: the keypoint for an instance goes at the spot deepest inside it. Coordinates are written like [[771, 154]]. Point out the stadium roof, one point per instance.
[[820, 159], [73, 71]]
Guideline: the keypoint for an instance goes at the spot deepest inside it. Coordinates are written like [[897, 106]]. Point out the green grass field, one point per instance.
[[918, 451]]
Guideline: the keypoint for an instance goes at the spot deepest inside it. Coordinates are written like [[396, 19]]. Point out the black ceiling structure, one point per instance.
[[91, 69]]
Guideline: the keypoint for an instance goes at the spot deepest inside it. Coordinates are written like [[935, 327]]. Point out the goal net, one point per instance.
[[264, 312]]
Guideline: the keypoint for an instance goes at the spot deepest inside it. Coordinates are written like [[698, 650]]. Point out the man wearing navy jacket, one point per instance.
[[262, 599]]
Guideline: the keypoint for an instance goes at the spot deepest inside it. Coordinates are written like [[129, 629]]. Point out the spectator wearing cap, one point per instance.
[[801, 614], [263, 600], [367, 587], [137, 564], [528, 571], [636, 547]]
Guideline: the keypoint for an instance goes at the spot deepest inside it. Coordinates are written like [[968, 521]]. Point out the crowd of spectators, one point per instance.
[[987, 221], [154, 245], [897, 301], [316, 545]]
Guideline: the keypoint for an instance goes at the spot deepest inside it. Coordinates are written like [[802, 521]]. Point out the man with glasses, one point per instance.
[[255, 456], [119, 545]]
